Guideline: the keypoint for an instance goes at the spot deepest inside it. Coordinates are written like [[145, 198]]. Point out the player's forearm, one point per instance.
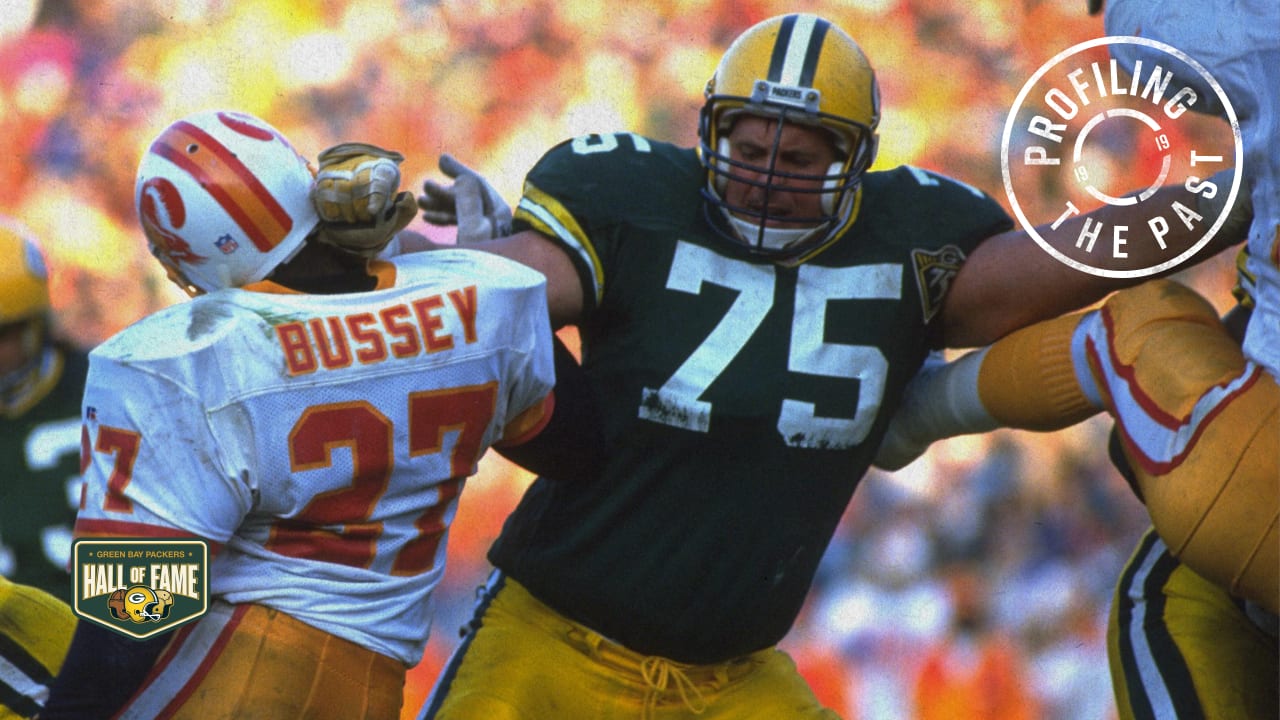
[[1146, 234], [564, 289], [1011, 281]]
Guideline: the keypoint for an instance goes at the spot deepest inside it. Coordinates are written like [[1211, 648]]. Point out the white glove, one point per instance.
[[470, 202], [355, 193], [1240, 217]]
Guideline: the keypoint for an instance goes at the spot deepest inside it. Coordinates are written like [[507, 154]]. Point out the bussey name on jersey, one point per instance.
[[403, 330]]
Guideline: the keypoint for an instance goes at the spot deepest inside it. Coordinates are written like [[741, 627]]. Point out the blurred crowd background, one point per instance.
[[974, 583]]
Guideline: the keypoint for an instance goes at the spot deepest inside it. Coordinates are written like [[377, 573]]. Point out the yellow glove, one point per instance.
[[355, 195], [355, 182]]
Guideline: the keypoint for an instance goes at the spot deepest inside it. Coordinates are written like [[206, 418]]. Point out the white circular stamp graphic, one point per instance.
[[1086, 132]]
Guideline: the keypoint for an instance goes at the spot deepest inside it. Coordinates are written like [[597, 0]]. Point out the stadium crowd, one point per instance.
[[973, 583]]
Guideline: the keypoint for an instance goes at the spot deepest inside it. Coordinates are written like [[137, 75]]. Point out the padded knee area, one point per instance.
[[1202, 432], [1169, 341]]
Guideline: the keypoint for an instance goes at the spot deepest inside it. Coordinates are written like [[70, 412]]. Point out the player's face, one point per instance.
[[13, 346], [802, 150]]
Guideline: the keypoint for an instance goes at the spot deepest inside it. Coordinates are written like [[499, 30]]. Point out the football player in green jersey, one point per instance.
[[750, 311], [41, 382], [40, 387]]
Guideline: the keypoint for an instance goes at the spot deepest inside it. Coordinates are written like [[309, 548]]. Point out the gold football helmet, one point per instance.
[[142, 604], [797, 68], [24, 282], [24, 310]]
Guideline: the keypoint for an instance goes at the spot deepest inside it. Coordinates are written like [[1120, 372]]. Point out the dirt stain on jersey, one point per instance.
[[205, 317], [271, 320], [654, 408]]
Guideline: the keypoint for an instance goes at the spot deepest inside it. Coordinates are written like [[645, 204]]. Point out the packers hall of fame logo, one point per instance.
[[140, 587], [1087, 131]]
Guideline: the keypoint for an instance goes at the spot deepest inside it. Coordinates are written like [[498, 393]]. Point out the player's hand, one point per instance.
[[1236, 227], [355, 182], [470, 202], [356, 194], [899, 448], [904, 442], [941, 401]]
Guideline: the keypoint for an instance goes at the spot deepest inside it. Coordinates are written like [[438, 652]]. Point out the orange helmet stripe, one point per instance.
[[242, 195]]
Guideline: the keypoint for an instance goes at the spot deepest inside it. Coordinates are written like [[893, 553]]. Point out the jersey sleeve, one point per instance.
[[530, 373], [151, 460], [583, 193], [570, 443], [961, 214], [934, 223], [550, 205]]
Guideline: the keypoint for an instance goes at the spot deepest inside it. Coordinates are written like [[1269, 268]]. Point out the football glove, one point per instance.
[[355, 193], [470, 202]]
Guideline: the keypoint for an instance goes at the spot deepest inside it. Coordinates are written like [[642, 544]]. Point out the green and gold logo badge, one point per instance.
[[141, 587]]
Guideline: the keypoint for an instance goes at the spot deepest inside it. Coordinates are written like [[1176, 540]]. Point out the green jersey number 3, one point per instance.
[[798, 421]]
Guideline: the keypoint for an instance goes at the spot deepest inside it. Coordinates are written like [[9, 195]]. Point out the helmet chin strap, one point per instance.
[[772, 238]]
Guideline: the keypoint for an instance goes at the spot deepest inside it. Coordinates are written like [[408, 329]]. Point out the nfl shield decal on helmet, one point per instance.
[[140, 587]]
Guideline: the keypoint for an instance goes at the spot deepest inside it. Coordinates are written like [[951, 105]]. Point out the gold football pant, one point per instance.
[[1199, 423], [524, 661], [249, 662], [1180, 647]]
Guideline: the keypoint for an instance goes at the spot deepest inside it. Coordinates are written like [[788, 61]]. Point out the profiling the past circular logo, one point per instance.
[[1087, 131]]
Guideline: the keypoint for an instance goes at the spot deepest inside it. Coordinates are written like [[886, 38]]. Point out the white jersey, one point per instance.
[[319, 442], [1238, 42]]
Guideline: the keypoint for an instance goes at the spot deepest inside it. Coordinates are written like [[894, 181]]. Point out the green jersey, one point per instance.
[[742, 400], [40, 452]]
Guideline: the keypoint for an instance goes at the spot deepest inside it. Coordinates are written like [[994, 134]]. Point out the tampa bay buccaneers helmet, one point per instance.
[[796, 68], [223, 200]]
